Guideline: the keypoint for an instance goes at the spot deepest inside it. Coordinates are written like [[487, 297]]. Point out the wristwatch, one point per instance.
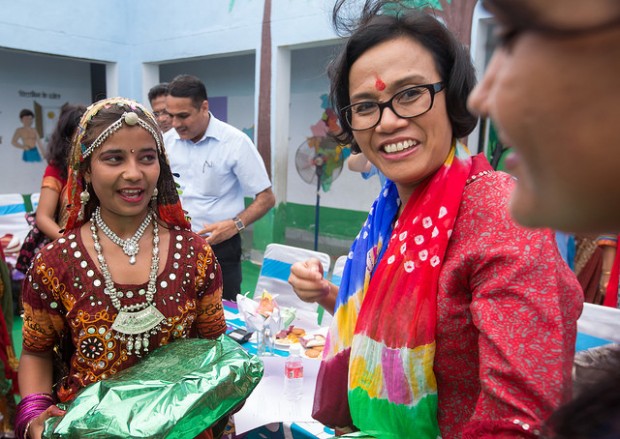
[[238, 223]]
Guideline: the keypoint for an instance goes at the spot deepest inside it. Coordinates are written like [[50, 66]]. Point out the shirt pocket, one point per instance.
[[215, 180]]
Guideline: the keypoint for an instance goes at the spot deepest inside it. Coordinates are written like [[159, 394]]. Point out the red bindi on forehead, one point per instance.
[[379, 84]]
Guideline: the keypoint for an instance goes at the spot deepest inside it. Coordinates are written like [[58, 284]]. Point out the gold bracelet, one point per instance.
[[607, 272]]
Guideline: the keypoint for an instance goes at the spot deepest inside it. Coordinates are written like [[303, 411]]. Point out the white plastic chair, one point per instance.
[[13, 216], [597, 326], [338, 270], [325, 318], [276, 268], [34, 199], [596, 349]]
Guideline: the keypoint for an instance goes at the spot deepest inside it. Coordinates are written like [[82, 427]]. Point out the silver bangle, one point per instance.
[[27, 429]]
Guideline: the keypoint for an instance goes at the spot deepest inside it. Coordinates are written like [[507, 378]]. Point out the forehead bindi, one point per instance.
[[382, 66], [379, 84]]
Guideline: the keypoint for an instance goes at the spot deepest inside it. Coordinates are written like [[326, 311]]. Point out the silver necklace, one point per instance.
[[134, 324], [130, 246]]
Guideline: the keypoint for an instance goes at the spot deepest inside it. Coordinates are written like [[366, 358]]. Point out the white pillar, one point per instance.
[[111, 79], [281, 89], [150, 77]]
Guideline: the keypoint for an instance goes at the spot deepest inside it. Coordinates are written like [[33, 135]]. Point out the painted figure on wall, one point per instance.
[[322, 146], [27, 138]]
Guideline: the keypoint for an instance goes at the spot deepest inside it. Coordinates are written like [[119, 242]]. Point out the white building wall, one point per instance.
[[88, 30], [142, 43]]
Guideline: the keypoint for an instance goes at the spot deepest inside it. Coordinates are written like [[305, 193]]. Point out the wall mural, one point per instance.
[[456, 14], [37, 124], [27, 138], [319, 158]]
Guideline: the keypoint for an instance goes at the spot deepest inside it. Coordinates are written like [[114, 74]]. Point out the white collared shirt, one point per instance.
[[216, 173]]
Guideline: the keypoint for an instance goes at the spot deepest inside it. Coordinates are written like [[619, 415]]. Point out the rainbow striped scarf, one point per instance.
[[377, 371]]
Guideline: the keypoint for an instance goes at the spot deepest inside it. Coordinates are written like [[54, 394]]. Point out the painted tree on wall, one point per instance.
[[263, 129], [456, 14]]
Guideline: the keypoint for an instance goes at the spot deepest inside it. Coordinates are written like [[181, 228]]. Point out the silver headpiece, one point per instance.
[[130, 118]]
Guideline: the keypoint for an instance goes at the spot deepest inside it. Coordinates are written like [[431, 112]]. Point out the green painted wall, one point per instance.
[[336, 223]]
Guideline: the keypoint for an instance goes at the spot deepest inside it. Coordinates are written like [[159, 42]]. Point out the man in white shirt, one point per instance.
[[217, 165]]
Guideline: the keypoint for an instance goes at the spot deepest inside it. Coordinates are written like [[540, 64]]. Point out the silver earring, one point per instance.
[[154, 199], [84, 196]]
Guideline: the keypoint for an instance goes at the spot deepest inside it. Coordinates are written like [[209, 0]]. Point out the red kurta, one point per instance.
[[507, 309]]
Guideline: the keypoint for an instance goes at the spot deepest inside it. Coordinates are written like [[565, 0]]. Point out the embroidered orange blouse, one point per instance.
[[63, 295]]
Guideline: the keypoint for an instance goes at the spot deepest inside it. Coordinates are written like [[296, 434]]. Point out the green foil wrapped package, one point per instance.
[[177, 391], [356, 435]]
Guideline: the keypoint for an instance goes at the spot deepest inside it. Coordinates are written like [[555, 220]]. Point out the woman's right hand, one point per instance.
[[38, 424], [307, 281]]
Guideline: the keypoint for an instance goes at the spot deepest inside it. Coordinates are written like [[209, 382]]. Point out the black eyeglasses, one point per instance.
[[162, 113], [411, 102]]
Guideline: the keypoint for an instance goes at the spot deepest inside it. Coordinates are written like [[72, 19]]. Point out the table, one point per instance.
[[598, 326], [234, 321], [266, 405]]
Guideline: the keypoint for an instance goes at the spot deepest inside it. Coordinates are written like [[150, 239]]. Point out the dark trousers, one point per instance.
[[228, 254]]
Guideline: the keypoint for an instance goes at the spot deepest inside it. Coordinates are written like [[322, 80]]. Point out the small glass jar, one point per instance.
[[265, 342]]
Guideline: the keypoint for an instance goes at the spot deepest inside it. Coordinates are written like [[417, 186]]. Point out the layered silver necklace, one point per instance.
[[134, 324], [130, 246]]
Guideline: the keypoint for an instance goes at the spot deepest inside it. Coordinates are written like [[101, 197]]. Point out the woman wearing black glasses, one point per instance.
[[451, 321]]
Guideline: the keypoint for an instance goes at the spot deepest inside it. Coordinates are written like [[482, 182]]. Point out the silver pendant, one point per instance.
[[137, 322], [131, 249]]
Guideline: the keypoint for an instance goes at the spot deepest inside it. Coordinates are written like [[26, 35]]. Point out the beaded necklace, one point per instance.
[[134, 324]]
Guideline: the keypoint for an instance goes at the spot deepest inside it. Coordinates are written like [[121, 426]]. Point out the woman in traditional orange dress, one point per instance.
[[127, 276]]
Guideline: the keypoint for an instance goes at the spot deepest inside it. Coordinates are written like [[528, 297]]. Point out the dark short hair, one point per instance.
[[25, 112], [157, 91], [451, 58], [188, 86], [59, 146]]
